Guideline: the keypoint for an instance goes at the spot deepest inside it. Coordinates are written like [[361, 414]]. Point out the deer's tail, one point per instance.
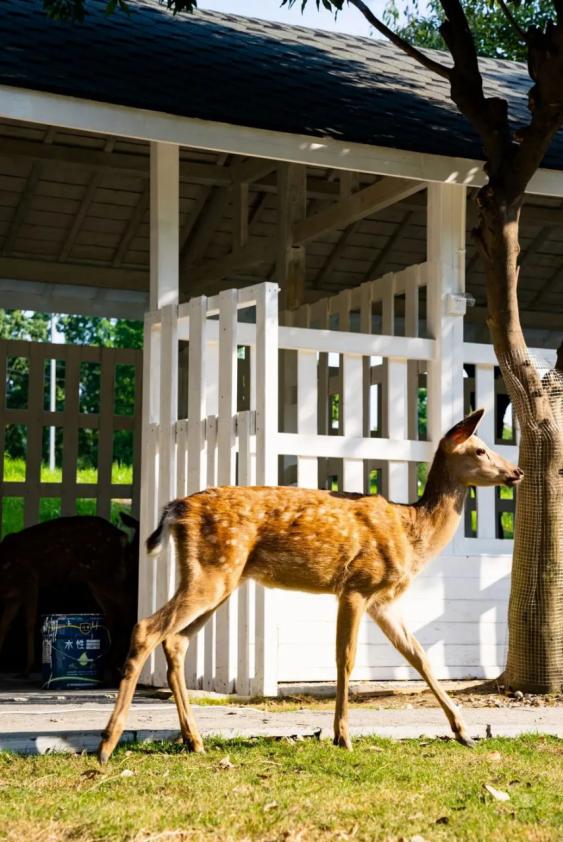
[[157, 541]]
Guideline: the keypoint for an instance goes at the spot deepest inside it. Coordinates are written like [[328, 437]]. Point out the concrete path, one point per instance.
[[38, 728]]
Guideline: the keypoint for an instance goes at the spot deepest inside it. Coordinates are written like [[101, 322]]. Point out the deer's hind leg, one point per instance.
[[175, 647], [351, 607], [392, 625], [179, 612]]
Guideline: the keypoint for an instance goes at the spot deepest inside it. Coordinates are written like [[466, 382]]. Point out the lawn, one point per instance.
[[50, 507], [292, 791]]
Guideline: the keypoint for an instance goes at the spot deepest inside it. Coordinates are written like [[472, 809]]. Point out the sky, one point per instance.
[[349, 20]]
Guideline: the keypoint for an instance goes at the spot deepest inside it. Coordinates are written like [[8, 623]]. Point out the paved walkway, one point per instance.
[[30, 727]]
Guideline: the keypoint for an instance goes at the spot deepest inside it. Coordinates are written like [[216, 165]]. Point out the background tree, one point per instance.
[[493, 33], [535, 658]]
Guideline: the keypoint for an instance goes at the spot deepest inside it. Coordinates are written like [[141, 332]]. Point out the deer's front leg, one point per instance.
[[392, 625], [351, 607]]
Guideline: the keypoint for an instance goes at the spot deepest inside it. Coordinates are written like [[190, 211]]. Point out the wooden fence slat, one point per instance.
[[34, 436], [105, 436], [3, 377], [266, 622], [197, 409], [352, 419], [307, 379], [70, 435], [486, 497], [226, 615], [244, 429]]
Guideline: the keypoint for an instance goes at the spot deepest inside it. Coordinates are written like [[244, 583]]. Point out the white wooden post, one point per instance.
[[209, 629], [485, 397], [446, 283], [244, 429], [446, 306], [195, 437], [226, 617], [162, 364], [266, 652], [412, 329]]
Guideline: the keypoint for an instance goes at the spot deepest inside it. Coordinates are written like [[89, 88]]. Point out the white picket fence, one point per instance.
[[234, 433]]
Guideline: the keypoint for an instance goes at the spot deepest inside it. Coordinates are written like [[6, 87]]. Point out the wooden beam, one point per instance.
[[553, 279], [79, 218], [336, 253], [254, 253], [202, 234], [370, 200], [200, 203], [240, 215], [370, 274], [77, 156], [137, 218], [529, 318], [88, 198], [292, 210], [537, 242], [252, 169], [22, 208], [90, 274]]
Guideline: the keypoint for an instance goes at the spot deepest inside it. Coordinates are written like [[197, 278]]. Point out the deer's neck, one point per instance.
[[438, 512]]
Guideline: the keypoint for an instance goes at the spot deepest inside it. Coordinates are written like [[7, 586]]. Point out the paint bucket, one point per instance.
[[74, 647]]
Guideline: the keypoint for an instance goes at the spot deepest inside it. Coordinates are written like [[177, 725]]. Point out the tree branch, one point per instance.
[[430, 64], [512, 21]]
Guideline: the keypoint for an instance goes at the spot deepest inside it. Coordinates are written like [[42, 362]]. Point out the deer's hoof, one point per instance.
[[465, 740], [103, 755], [193, 745], [343, 742]]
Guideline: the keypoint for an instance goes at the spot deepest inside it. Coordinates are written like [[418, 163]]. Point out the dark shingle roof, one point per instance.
[[248, 72]]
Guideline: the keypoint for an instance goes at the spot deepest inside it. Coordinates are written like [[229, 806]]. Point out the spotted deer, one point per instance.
[[361, 548]]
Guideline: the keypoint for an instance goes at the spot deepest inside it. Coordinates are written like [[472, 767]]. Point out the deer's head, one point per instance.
[[471, 462]]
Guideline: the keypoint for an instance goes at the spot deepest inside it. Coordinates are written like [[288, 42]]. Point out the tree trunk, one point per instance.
[[535, 618]]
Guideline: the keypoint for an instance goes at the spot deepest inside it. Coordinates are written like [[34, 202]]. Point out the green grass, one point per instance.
[[50, 507], [296, 791]]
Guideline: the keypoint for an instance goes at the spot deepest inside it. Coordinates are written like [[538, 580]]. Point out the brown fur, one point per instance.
[[361, 548]]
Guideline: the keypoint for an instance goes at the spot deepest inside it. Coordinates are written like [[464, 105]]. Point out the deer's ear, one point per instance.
[[465, 429]]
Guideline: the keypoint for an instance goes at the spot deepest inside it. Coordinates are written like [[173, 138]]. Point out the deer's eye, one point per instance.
[[480, 451]]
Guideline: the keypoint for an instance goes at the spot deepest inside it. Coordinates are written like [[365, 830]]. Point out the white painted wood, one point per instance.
[[164, 227], [485, 397], [197, 405], [307, 401], [226, 617], [228, 361], [336, 342], [107, 118], [211, 436], [352, 417], [344, 447], [266, 623], [164, 296], [412, 283], [146, 598], [209, 631], [446, 258], [242, 684]]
